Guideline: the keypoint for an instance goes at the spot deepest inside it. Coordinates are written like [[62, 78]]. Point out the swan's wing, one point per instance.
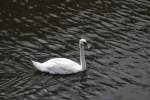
[[63, 66]]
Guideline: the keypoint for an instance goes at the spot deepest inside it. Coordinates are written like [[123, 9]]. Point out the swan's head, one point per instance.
[[82, 42]]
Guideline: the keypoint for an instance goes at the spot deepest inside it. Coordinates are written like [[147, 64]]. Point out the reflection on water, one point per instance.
[[118, 61]]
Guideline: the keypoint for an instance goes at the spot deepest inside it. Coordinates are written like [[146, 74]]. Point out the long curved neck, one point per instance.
[[82, 58]]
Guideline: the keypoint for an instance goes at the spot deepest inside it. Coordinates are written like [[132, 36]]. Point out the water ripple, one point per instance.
[[118, 60]]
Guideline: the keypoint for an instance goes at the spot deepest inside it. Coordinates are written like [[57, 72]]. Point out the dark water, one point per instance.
[[118, 60]]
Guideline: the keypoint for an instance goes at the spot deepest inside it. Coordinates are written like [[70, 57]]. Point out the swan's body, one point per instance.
[[63, 65], [58, 66]]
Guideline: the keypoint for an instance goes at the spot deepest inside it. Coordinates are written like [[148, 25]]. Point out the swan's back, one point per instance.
[[62, 66]]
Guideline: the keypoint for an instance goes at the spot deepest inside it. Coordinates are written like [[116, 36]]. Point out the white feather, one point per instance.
[[63, 65]]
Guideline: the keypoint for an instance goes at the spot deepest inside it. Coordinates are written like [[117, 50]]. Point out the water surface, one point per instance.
[[118, 61]]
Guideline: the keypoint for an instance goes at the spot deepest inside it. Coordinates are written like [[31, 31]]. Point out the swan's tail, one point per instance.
[[39, 66], [34, 63]]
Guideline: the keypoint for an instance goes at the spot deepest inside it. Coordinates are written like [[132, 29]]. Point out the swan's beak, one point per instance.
[[87, 44]]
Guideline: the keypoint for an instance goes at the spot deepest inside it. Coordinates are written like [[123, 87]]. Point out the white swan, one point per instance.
[[63, 65]]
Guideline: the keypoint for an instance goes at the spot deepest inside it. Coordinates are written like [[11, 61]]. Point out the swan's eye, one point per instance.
[[84, 43]]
